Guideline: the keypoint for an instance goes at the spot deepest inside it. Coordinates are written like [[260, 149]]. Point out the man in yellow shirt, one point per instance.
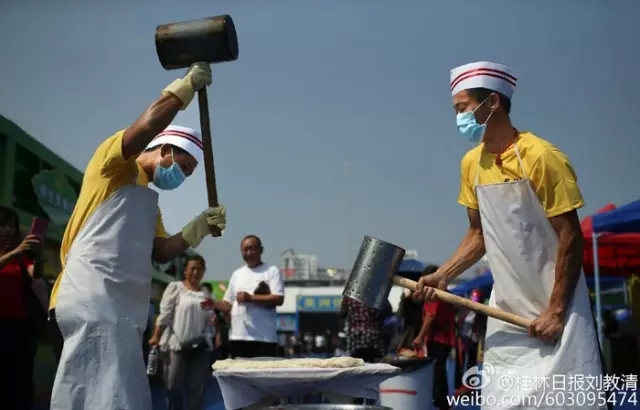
[[521, 197], [100, 299]]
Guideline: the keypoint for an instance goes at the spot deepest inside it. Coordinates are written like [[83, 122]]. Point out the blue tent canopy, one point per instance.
[[485, 281], [625, 219], [411, 268]]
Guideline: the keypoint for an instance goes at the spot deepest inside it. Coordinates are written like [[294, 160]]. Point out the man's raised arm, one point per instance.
[[158, 116]]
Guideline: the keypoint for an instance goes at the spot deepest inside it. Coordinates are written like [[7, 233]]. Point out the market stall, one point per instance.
[[411, 268], [483, 281], [612, 248]]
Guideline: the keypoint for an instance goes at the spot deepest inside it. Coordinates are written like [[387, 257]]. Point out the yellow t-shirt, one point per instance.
[[105, 174], [548, 169]]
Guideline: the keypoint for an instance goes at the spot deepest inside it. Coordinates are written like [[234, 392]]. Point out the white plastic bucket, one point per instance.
[[410, 390]]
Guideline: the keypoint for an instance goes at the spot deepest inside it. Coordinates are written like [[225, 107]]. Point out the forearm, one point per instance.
[[223, 306], [426, 326], [268, 300], [153, 120], [4, 259], [166, 249], [469, 252], [568, 267], [158, 330]]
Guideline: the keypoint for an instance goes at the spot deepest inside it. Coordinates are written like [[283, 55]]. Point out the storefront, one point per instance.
[[318, 313]]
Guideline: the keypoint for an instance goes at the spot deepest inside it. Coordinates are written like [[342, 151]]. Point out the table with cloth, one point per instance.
[[257, 387]]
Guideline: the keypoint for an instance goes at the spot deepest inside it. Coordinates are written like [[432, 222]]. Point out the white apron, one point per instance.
[[103, 304], [521, 248]]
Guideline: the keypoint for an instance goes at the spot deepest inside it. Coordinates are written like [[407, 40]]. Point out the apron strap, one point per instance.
[[517, 152], [475, 182], [522, 169]]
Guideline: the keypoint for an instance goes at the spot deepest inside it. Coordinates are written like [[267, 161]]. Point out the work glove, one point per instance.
[[198, 76], [196, 230]]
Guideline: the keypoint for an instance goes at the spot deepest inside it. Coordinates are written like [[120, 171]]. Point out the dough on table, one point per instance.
[[246, 364]]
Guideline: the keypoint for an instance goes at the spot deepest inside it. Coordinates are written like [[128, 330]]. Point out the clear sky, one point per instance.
[[322, 84]]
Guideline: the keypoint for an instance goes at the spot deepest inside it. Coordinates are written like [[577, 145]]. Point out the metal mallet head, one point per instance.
[[372, 275], [211, 40]]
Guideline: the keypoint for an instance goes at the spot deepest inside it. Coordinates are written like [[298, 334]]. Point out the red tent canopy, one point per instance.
[[619, 254]]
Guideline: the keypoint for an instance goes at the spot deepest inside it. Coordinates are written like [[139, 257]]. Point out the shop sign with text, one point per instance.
[[55, 195], [318, 303]]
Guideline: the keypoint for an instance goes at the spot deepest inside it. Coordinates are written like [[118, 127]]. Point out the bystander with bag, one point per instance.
[[180, 335]]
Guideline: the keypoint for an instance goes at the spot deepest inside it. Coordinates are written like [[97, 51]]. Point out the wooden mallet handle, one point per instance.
[[467, 304], [207, 148]]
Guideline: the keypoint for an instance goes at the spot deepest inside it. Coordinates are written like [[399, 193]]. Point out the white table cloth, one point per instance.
[[246, 387]]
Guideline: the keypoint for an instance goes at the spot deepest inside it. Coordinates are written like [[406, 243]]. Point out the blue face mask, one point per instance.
[[468, 125], [168, 178]]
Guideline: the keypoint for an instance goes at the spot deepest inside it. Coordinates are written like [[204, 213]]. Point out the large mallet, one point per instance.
[[374, 273], [211, 40]]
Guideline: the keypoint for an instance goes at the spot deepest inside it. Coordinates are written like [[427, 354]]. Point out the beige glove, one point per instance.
[[197, 77], [196, 230]]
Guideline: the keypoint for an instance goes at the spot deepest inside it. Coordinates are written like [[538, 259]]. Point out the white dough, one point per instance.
[[246, 364]]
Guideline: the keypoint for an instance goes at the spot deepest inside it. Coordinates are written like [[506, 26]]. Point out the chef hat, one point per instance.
[[181, 137], [483, 74]]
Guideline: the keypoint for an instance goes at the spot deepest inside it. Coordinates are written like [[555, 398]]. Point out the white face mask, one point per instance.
[[206, 292]]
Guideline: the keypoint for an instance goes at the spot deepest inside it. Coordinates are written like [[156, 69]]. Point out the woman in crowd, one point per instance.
[[365, 336], [23, 301], [180, 333], [410, 316], [439, 333]]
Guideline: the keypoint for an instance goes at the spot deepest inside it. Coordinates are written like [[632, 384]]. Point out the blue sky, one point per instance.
[[321, 84]]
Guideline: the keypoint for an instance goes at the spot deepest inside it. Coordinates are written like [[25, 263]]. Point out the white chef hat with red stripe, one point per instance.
[[185, 138], [483, 74]]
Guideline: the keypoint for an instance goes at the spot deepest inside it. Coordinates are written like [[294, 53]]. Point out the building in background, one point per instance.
[[332, 274], [298, 266]]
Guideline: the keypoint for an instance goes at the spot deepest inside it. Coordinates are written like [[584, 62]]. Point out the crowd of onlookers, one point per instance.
[[191, 329], [319, 344], [183, 337]]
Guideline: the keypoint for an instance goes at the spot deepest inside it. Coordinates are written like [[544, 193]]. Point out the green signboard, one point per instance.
[[219, 288], [55, 195]]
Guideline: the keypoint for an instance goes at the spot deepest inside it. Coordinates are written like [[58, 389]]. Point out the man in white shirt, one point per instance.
[[253, 293]]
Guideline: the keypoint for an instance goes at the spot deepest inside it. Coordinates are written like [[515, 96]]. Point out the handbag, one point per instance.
[[197, 343], [190, 346]]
